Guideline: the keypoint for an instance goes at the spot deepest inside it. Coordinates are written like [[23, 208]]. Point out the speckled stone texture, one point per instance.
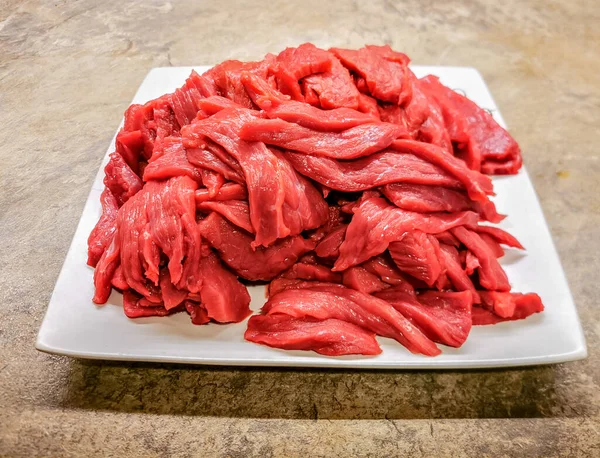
[[68, 71]]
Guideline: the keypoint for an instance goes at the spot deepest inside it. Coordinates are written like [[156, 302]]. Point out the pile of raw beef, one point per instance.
[[353, 187]]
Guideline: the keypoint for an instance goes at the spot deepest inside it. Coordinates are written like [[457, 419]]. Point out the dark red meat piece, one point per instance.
[[122, 182], [104, 230], [333, 88], [418, 254], [328, 337], [376, 223], [170, 160]]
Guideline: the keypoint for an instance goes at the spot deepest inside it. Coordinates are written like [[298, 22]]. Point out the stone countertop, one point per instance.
[[68, 71]]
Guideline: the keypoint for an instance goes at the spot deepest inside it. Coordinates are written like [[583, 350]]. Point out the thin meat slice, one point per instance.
[[304, 207], [360, 279], [448, 239], [418, 254], [376, 223], [500, 235], [329, 246], [369, 172], [104, 230], [207, 160], [383, 267], [235, 249], [170, 160], [171, 296], [332, 89], [471, 262], [454, 270], [133, 309], [493, 244], [488, 146], [212, 181], [293, 64], [105, 270], [328, 337], [385, 72], [304, 270], [236, 211], [278, 106], [358, 141], [122, 182], [477, 185], [426, 199], [262, 170], [524, 305], [229, 191], [444, 317], [197, 312], [491, 275], [327, 300], [225, 299]]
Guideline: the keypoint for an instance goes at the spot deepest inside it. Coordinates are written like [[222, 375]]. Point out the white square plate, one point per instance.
[[74, 326]]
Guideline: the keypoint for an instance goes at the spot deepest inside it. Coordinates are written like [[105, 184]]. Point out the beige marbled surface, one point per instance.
[[67, 73]]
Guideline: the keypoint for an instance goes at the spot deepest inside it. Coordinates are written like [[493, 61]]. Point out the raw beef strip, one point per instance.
[[478, 186], [500, 235], [304, 207], [491, 274], [386, 270], [278, 106], [368, 105], [327, 300], [362, 280], [418, 254], [488, 146], [118, 280], [104, 230], [492, 243], [122, 182], [105, 270], [212, 105], [225, 299], [236, 211], [293, 64], [426, 199], [197, 312], [171, 295], [458, 277], [448, 239], [133, 309], [369, 172], [226, 77], [234, 247], [329, 337], [471, 263], [525, 305], [212, 181], [384, 71], [304, 270], [229, 191], [262, 170], [358, 141], [171, 161], [376, 223], [444, 317], [334, 88], [206, 159], [329, 246]]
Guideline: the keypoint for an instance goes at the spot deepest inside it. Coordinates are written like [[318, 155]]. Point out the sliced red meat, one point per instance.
[[211, 105], [384, 71], [133, 309], [454, 270], [500, 235], [212, 181], [171, 295], [122, 182], [491, 274], [376, 223], [304, 207], [355, 142], [104, 230], [331, 301], [362, 280], [444, 317], [477, 185], [236, 211], [329, 246], [471, 263], [383, 267], [225, 299], [293, 64], [328, 337], [418, 254], [200, 85], [369, 172], [226, 78], [448, 239], [229, 191], [197, 312], [312, 271], [488, 146], [492, 243], [207, 160], [105, 270], [261, 168], [525, 305], [333, 89], [170, 161], [278, 106], [234, 247], [118, 281]]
